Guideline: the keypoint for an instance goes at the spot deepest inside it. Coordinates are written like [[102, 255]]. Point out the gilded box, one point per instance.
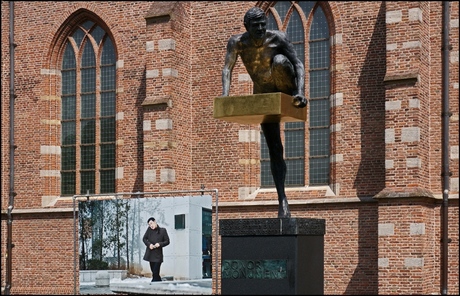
[[258, 108]]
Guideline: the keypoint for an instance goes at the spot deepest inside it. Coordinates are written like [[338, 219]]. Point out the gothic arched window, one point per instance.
[[288, 16], [88, 112]]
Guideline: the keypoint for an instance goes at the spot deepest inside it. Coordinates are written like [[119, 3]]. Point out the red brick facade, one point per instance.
[[383, 207]]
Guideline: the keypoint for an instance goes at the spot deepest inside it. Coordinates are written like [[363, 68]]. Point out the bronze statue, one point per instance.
[[272, 63]]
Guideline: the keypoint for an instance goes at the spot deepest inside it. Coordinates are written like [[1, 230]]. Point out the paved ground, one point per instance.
[[145, 287], [93, 290]]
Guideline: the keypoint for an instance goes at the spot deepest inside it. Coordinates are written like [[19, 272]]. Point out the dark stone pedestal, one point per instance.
[[273, 256]]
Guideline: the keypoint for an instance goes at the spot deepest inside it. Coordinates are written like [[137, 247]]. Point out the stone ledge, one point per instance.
[[404, 193], [39, 211], [328, 200], [161, 9], [155, 101], [399, 78], [102, 278], [90, 275]]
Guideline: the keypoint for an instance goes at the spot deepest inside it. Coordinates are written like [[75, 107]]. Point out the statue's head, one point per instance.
[[252, 14], [255, 22]]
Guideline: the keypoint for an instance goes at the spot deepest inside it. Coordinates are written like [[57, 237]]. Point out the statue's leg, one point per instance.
[[283, 74], [277, 164]]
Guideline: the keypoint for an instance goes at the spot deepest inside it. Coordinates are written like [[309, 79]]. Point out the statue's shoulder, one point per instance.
[[276, 34], [277, 37], [238, 40], [236, 37]]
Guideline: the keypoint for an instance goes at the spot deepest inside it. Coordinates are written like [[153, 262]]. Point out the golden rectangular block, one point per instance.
[[258, 108]]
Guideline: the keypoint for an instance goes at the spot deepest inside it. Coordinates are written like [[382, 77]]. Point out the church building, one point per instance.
[[114, 100]]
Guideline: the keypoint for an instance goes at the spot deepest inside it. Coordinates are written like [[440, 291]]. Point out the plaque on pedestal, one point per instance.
[[273, 256], [258, 108]]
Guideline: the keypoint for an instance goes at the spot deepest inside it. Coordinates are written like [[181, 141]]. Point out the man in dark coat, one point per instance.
[[155, 238]]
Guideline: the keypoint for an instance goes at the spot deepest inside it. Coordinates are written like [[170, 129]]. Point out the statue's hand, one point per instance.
[[299, 101]]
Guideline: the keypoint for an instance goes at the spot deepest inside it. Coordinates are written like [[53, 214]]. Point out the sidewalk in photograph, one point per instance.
[[144, 286]]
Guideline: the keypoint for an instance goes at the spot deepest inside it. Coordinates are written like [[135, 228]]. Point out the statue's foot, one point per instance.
[[283, 210]]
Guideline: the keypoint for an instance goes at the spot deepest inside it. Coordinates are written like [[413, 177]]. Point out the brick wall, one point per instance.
[[383, 206]]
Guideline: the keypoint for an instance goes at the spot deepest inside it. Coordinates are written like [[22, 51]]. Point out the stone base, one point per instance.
[[272, 256], [102, 278], [258, 108]]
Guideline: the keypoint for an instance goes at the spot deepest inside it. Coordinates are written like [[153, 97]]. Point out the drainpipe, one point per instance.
[[446, 47], [9, 244], [216, 247]]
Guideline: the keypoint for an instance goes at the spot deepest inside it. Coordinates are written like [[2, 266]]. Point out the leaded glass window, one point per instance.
[[317, 83], [88, 112]]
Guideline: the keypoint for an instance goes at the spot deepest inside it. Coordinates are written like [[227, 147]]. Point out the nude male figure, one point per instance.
[[272, 63]]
